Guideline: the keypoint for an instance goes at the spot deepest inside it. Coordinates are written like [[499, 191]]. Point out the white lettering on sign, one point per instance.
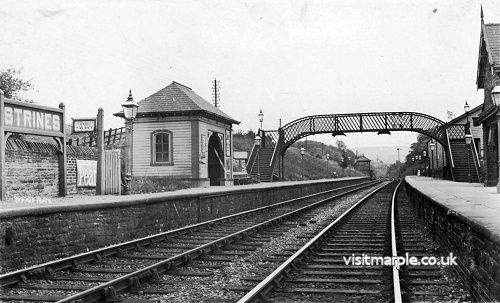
[[86, 173], [31, 119], [83, 126]]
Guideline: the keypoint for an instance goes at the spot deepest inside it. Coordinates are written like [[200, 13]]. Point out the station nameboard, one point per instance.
[[27, 118], [84, 125]]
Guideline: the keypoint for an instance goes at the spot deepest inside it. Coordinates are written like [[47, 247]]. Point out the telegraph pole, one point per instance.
[[216, 93]]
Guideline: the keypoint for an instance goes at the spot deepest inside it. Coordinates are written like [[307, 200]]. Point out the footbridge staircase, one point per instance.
[[265, 163]]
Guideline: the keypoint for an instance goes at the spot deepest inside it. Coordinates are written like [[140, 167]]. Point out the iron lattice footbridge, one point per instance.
[[276, 142]]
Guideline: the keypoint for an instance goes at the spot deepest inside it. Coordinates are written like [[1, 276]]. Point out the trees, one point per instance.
[[12, 84]]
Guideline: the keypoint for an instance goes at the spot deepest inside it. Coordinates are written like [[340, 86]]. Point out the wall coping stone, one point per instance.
[[471, 203], [84, 203]]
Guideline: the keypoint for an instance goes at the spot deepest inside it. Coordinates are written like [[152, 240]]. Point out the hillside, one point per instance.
[[313, 165]]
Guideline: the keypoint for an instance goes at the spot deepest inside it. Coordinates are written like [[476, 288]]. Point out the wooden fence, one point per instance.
[[111, 137], [112, 175]]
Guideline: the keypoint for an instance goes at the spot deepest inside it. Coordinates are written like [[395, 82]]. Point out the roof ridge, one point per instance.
[[181, 85]]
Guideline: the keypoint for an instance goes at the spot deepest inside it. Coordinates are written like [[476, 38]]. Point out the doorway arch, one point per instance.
[[215, 160]]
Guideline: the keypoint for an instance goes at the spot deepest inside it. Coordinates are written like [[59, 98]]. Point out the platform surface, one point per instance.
[[471, 200], [30, 204]]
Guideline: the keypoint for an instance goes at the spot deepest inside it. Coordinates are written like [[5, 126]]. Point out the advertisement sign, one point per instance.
[[84, 125], [86, 173]]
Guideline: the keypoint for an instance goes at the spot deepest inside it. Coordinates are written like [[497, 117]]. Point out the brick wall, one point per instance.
[[32, 170], [33, 236], [477, 249], [72, 154]]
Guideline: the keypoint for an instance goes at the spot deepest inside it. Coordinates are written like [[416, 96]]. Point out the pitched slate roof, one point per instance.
[[178, 99], [363, 159], [492, 37], [464, 115], [489, 50]]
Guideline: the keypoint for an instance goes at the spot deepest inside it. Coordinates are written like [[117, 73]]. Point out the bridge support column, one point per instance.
[[282, 167]]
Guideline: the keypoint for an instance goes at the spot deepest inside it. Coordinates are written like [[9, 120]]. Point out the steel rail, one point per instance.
[[22, 275], [152, 271], [395, 269], [258, 293]]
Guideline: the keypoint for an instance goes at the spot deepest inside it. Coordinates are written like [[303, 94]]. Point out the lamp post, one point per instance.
[[302, 152], [327, 159], [418, 158], [495, 95], [261, 118], [424, 153], [413, 162], [257, 145], [433, 146], [130, 108], [468, 139], [343, 164]]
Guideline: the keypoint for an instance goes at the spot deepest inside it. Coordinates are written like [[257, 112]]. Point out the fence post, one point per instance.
[[100, 152], [62, 161]]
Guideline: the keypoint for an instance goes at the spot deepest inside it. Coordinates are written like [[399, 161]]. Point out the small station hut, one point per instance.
[[363, 164], [177, 134]]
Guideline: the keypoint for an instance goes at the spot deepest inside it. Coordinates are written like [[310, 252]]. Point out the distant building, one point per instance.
[[177, 134], [488, 76], [363, 165]]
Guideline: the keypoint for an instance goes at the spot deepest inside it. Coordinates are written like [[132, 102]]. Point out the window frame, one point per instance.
[[170, 147]]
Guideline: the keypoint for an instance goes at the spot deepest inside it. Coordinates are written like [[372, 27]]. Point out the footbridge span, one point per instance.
[[269, 161]]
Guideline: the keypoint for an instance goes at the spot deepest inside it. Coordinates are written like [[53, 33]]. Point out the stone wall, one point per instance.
[[477, 249], [32, 236], [31, 170]]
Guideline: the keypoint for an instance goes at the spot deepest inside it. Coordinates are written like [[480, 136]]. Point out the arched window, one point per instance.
[[161, 147]]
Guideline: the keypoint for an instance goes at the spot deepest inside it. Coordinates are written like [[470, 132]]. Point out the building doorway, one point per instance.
[[215, 160]]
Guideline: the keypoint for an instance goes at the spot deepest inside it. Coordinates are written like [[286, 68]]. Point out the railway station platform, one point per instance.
[[465, 219], [475, 203]]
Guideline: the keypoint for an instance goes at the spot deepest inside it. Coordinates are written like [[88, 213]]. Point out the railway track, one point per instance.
[[317, 272], [434, 283], [101, 274], [379, 226]]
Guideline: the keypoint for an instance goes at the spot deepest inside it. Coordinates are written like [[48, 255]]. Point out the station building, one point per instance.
[[488, 76], [177, 134]]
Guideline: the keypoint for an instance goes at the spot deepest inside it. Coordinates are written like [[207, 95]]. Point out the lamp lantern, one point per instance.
[[261, 118], [433, 146], [302, 151], [468, 139], [495, 95], [466, 107], [130, 107], [257, 140]]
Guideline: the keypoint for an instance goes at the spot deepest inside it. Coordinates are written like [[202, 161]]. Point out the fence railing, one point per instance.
[[111, 137], [455, 131]]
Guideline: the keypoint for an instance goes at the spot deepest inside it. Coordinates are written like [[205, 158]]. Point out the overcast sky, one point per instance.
[[290, 58]]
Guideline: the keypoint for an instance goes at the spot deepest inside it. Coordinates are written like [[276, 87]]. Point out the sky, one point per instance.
[[289, 58]]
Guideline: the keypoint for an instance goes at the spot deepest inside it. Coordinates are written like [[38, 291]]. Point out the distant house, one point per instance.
[[177, 134]]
